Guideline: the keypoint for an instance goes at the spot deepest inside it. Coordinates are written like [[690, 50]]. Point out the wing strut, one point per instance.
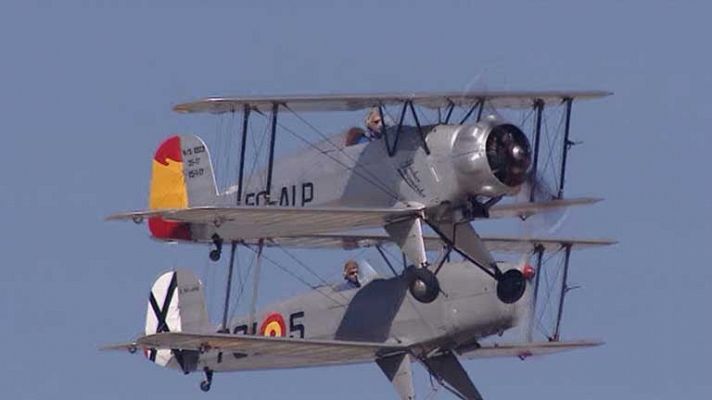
[[567, 146], [420, 128], [243, 144], [392, 150], [255, 286], [539, 108], [479, 105], [539, 251], [564, 289], [270, 166], [407, 105], [228, 288], [450, 108]]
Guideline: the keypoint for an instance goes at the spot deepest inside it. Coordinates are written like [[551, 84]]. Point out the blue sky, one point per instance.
[[86, 94]]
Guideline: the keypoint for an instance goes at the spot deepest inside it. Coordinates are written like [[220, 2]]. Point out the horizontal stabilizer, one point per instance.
[[264, 222], [526, 210], [525, 350], [360, 101]]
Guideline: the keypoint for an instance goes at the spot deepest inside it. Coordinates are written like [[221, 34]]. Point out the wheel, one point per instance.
[[215, 255], [424, 285], [205, 386], [511, 286]]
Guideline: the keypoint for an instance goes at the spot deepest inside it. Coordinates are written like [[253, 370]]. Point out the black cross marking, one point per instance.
[[161, 314]]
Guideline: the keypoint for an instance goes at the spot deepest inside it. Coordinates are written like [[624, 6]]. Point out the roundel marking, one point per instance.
[[273, 325]]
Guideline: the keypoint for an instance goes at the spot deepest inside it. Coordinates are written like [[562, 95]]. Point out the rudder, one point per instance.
[[176, 304], [181, 176]]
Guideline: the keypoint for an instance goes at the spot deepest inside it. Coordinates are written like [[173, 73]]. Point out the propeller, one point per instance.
[[546, 223], [508, 154]]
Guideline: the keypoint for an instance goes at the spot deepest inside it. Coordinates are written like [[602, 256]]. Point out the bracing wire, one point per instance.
[[230, 171], [257, 150], [379, 184], [385, 190], [295, 276], [305, 267], [550, 281], [549, 164], [222, 149], [243, 283]]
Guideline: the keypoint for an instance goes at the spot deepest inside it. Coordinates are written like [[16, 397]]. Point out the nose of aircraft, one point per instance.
[[508, 154]]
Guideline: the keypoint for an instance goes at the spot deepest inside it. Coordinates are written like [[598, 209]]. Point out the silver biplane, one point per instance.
[[400, 177]]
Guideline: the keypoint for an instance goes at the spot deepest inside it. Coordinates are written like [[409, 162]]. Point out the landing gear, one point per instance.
[[217, 251], [511, 286], [424, 285], [205, 385]]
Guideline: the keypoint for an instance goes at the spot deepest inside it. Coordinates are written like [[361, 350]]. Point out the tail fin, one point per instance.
[[176, 304], [181, 176]]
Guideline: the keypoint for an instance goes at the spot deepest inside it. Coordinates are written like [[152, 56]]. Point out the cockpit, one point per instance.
[[363, 276]]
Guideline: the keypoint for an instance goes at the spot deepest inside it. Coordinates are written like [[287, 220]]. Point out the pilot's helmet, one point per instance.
[[373, 121]]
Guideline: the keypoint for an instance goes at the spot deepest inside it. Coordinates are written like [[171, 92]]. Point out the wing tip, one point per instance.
[[131, 347], [135, 216]]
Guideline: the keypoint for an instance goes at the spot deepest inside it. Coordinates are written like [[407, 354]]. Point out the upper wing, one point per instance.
[[273, 352], [353, 102], [265, 222], [500, 244], [524, 350]]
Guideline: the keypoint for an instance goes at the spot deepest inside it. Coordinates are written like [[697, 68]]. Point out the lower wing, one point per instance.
[[265, 222], [281, 352], [524, 350]]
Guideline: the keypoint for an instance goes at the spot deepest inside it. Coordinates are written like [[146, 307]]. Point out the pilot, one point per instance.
[[374, 129], [374, 125], [350, 276]]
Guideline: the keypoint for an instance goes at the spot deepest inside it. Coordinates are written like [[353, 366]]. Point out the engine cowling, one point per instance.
[[491, 158]]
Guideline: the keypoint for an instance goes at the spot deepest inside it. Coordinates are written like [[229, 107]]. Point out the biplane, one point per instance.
[[421, 185]]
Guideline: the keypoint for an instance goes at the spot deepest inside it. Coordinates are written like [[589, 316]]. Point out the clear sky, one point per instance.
[[85, 93]]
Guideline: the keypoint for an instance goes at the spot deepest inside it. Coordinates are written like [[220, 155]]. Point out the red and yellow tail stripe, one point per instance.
[[168, 190]]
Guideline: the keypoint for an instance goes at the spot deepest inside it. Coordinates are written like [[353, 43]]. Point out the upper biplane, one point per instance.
[[405, 177], [443, 175]]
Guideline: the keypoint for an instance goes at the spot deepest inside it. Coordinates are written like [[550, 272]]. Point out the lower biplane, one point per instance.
[[379, 322]]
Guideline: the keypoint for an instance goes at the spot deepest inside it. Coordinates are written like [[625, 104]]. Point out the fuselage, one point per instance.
[[365, 175], [382, 311], [330, 174]]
